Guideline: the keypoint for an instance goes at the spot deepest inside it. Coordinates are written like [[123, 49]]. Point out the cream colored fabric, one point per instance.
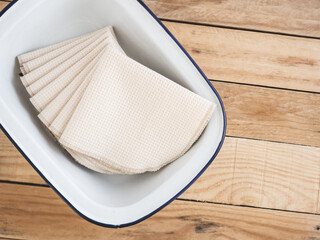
[[38, 62], [26, 57], [41, 60], [51, 98], [134, 118], [49, 110], [38, 79], [56, 66], [64, 111], [112, 114], [23, 71], [53, 110], [60, 121], [46, 90], [95, 164], [62, 118], [46, 95], [65, 85]]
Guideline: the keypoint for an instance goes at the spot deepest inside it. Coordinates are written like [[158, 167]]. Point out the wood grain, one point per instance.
[[287, 16], [261, 174], [246, 172], [271, 114], [3, 5], [13, 166], [251, 57], [29, 212]]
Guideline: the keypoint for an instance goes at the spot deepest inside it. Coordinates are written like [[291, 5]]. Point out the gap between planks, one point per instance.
[[271, 114], [296, 18], [236, 28], [255, 85], [292, 17], [262, 174], [184, 29], [180, 220], [179, 198], [246, 172], [252, 57]]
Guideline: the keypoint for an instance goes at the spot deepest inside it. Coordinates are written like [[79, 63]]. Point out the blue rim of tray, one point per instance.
[[182, 190]]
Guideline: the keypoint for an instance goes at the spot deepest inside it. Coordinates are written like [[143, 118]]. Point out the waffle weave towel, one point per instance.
[[134, 118], [112, 114]]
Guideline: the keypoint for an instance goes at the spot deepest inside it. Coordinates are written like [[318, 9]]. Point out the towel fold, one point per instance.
[[111, 113]]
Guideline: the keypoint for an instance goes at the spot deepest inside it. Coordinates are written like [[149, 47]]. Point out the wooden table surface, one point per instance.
[[263, 57]]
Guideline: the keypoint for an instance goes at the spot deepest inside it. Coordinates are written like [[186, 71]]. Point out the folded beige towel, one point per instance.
[[54, 96], [58, 97], [112, 114], [58, 65], [26, 57], [134, 118], [37, 62], [32, 60], [45, 90], [59, 123]]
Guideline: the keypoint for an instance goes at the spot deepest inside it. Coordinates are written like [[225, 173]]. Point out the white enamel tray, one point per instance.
[[111, 201]]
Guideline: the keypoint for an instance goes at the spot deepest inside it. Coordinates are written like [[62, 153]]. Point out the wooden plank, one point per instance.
[[261, 174], [246, 172], [251, 57], [29, 212], [13, 166], [288, 16], [274, 115], [3, 5], [271, 114]]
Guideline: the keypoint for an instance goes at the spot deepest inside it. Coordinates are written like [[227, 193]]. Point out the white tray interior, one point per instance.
[[111, 200]]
